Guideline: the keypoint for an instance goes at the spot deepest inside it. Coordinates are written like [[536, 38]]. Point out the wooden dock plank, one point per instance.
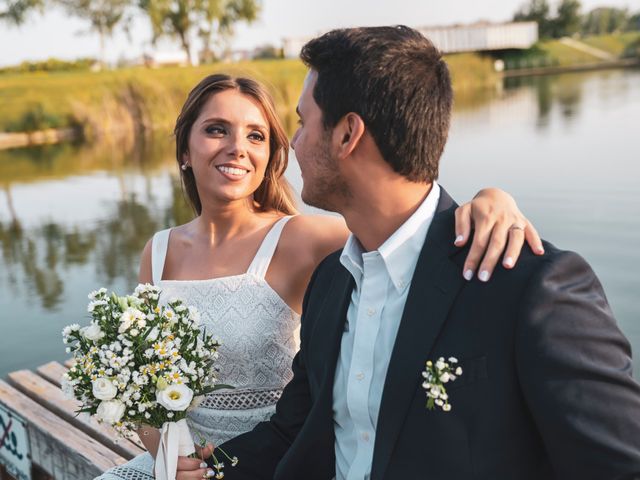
[[60, 449], [52, 398], [52, 372]]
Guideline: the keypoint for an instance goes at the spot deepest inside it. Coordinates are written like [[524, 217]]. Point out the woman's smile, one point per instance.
[[232, 172]]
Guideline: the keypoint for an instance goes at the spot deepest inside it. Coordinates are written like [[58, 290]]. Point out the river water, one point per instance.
[[73, 218]]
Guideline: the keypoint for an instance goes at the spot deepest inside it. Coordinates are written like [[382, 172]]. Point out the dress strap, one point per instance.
[[261, 261], [159, 246]]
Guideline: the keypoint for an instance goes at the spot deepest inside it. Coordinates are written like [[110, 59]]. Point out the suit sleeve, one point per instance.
[[260, 450], [575, 366]]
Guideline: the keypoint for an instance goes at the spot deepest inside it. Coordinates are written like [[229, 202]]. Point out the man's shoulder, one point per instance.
[[530, 266], [329, 266]]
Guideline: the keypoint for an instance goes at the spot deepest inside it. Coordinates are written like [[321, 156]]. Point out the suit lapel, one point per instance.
[[436, 282], [331, 319]]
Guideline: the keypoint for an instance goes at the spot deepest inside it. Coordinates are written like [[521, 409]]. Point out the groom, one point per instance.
[[546, 389]]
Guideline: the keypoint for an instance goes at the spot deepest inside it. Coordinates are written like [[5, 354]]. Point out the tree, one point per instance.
[[103, 15], [600, 21], [184, 18], [221, 16], [537, 11], [16, 11], [633, 25], [267, 51], [568, 19]]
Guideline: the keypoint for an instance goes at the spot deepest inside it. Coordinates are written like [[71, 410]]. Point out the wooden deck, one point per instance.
[[62, 445]]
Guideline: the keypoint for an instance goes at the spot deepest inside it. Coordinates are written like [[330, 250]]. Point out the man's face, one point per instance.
[[323, 184]]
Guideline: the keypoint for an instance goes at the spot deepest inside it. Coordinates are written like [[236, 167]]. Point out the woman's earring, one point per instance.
[[184, 167]]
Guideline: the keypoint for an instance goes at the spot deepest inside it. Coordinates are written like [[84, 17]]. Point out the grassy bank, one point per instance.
[[555, 53], [125, 102]]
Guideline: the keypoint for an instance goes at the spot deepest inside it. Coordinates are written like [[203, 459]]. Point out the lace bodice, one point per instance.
[[257, 330]]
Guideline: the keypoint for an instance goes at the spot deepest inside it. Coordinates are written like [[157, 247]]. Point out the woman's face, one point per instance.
[[228, 147]]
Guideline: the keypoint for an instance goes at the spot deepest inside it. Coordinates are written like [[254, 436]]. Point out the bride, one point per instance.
[[245, 260]]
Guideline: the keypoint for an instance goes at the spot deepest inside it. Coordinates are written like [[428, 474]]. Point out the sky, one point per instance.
[[55, 34]]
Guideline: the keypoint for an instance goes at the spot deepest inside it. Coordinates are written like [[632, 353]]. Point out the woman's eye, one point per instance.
[[214, 130], [256, 136]]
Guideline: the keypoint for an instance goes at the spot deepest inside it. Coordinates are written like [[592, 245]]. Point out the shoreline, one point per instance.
[[48, 136], [51, 136], [584, 67]]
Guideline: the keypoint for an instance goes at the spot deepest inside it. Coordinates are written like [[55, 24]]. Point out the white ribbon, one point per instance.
[[175, 441]]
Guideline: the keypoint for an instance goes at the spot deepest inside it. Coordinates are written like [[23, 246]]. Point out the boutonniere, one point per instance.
[[435, 377]]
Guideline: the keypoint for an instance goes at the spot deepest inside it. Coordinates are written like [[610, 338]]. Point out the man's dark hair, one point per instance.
[[397, 81]]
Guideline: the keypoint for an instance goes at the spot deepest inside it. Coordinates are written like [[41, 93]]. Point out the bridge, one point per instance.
[[476, 37]]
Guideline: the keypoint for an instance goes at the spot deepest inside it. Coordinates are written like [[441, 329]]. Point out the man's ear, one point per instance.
[[347, 134]]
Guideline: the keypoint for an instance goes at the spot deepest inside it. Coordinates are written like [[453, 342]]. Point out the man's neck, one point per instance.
[[374, 216]]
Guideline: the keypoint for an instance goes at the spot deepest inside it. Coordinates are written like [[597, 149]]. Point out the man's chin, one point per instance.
[[310, 199]]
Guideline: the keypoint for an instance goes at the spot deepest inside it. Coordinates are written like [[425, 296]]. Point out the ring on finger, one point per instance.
[[517, 227]]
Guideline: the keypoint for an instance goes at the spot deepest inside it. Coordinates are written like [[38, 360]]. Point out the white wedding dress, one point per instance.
[[259, 338]]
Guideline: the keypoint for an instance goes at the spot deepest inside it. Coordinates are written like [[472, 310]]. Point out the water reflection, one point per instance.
[[38, 252], [557, 90]]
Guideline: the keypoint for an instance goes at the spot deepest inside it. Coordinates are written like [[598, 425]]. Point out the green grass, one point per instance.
[[615, 44], [553, 53], [123, 100]]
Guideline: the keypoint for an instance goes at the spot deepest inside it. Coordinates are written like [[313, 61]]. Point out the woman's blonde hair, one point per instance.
[[274, 193]]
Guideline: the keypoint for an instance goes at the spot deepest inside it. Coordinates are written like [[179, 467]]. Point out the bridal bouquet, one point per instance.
[[139, 362]]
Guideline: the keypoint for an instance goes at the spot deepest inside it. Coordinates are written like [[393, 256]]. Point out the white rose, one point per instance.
[[110, 411], [92, 332], [444, 378], [175, 397], [104, 389]]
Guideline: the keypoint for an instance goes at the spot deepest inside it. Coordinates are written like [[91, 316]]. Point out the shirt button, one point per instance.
[[371, 311], [360, 376], [365, 436]]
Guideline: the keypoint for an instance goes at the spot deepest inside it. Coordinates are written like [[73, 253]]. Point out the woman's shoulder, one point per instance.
[[147, 252], [314, 235]]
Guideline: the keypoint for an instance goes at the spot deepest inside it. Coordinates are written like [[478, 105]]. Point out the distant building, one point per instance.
[[479, 36], [482, 36], [165, 59]]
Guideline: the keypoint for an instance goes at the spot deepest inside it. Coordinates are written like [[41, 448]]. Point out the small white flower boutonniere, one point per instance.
[[435, 376]]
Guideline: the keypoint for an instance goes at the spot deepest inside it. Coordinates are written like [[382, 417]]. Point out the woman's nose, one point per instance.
[[237, 146]]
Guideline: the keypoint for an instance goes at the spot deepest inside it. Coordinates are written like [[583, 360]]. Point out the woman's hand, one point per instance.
[[190, 468], [499, 227]]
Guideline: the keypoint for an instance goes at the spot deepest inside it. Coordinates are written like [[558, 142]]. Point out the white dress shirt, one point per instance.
[[382, 279]]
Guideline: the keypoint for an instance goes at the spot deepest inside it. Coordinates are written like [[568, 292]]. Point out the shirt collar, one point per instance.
[[401, 250]]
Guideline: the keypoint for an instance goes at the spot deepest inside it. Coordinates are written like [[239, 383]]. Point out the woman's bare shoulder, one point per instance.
[[145, 273], [315, 235]]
